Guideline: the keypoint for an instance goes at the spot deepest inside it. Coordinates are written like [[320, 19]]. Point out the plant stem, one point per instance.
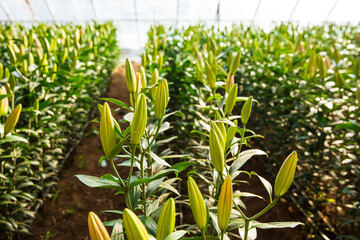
[[242, 140], [241, 212], [131, 165], [222, 235], [246, 229], [117, 173], [265, 209], [143, 186], [203, 233]]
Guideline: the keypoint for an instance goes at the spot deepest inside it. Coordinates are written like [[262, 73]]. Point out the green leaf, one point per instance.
[[349, 126], [169, 187], [181, 166], [153, 186], [149, 224], [176, 235], [208, 237], [243, 158], [176, 113], [117, 102], [265, 183], [159, 160], [158, 175], [92, 181], [118, 231], [117, 148], [14, 138], [275, 225]]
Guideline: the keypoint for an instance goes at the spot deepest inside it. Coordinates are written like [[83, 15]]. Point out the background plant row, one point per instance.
[[307, 83], [57, 73]]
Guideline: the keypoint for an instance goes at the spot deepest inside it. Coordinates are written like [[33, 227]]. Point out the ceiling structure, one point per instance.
[[134, 17]]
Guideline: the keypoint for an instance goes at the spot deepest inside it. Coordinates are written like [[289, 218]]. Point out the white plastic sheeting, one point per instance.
[[134, 17]]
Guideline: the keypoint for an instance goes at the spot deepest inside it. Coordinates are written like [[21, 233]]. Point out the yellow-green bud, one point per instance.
[[229, 83], [139, 85], [1, 70], [12, 81], [143, 77], [12, 119], [97, 229], [231, 100], [160, 60], [166, 223], [134, 228], [36, 105], [53, 75], [221, 126], [225, 204], [216, 151], [230, 134], [219, 132], [4, 103], [138, 122], [143, 60], [161, 99], [285, 175], [11, 53], [312, 65], [107, 130], [246, 110], [154, 80], [65, 55], [130, 77], [235, 64], [197, 204], [229, 60], [210, 76]]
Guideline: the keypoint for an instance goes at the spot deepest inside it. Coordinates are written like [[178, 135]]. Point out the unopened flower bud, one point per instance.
[[97, 229], [4, 103], [12, 119], [216, 151], [134, 228], [285, 175], [130, 77], [246, 110], [107, 130], [154, 80], [166, 223], [161, 99], [138, 122], [210, 76], [231, 100], [197, 204], [225, 204]]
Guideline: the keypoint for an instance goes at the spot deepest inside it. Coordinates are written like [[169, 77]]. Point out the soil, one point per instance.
[[65, 217]]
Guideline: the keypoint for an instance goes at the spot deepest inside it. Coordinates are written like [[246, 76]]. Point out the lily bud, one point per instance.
[[161, 99], [143, 77], [229, 60], [130, 77], [107, 130], [154, 80], [210, 76], [197, 204], [160, 60], [97, 229], [231, 100], [219, 132], [229, 83], [138, 122], [12, 119], [225, 204], [166, 223], [139, 85], [285, 175], [216, 151], [143, 60], [230, 134], [221, 127], [4, 103], [1, 70], [235, 64], [246, 110], [134, 228], [11, 53]]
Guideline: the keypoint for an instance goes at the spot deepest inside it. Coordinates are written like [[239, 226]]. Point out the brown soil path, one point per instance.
[[66, 216]]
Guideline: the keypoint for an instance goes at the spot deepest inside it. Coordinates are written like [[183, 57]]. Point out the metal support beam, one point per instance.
[[218, 14], [94, 9], [6, 11], [331, 10], [137, 22], [293, 10], [177, 12], [256, 11], [50, 11], [31, 10]]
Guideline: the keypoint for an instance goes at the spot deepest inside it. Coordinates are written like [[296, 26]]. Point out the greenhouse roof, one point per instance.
[[134, 17]]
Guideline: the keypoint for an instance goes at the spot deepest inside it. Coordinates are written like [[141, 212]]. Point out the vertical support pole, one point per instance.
[[31, 10], [330, 11], [6, 11], [137, 22], [50, 11], [177, 12], [293, 10], [94, 9], [256, 11]]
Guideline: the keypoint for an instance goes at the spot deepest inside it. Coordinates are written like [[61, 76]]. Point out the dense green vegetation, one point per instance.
[[307, 83], [57, 74]]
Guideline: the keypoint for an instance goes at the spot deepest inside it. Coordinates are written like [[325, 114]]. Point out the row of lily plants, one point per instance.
[[50, 79], [155, 200], [307, 83]]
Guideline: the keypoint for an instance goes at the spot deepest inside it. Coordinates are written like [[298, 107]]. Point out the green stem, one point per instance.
[[241, 143], [203, 234], [131, 165], [239, 210], [265, 209], [143, 184], [117, 173], [222, 235], [246, 229]]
